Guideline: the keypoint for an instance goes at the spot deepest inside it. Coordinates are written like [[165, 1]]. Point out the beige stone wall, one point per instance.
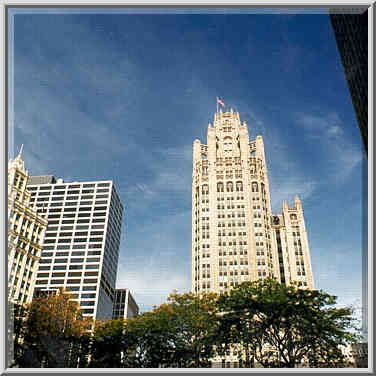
[[233, 239], [26, 230]]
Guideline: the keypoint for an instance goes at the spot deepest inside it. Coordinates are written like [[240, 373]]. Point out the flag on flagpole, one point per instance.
[[220, 102]]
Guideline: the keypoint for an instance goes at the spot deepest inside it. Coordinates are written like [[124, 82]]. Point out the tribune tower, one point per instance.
[[235, 236]]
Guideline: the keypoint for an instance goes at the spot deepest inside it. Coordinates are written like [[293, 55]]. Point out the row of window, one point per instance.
[[18, 181], [231, 242], [77, 233], [69, 186], [241, 252], [22, 222], [228, 198], [231, 215], [232, 262], [56, 253], [76, 216], [233, 272], [72, 260], [72, 246], [230, 207], [64, 267], [230, 187], [62, 193], [75, 198], [74, 240], [71, 205], [63, 274], [75, 227], [230, 233], [229, 224], [68, 281]]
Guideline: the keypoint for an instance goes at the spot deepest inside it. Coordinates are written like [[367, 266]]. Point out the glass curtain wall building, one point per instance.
[[124, 305]]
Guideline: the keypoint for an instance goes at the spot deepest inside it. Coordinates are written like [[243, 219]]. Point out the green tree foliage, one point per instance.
[[178, 333], [283, 326], [107, 344], [265, 322], [149, 340], [194, 325], [53, 333]]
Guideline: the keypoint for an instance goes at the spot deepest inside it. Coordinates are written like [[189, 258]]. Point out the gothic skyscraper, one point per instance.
[[235, 236], [26, 231]]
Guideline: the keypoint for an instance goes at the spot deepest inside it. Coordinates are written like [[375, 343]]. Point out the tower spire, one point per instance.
[[20, 152]]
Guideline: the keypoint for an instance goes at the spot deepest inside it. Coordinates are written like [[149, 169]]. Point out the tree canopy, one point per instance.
[[264, 323], [52, 332], [284, 326]]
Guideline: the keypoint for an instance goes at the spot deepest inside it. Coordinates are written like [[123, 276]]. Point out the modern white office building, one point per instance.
[[81, 248], [235, 235]]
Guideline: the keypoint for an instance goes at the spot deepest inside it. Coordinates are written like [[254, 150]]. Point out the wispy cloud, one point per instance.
[[169, 177], [336, 270], [152, 285], [328, 131], [155, 258], [123, 98], [84, 104], [329, 124], [285, 188]]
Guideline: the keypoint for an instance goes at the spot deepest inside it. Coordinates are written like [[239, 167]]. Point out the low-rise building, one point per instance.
[[124, 305], [360, 354]]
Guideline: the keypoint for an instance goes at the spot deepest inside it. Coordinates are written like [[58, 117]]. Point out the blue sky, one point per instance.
[[123, 96]]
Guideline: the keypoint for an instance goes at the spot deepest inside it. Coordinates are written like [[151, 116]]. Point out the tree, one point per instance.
[[178, 333], [107, 344], [149, 340], [194, 323], [53, 333], [284, 326]]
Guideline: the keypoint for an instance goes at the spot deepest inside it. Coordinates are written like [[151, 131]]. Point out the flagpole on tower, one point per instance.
[[219, 101]]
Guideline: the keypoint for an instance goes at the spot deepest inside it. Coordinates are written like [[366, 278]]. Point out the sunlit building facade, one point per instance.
[[26, 231], [81, 248], [235, 235]]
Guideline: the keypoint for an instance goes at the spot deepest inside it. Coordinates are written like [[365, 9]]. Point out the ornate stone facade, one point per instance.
[[26, 231], [235, 236]]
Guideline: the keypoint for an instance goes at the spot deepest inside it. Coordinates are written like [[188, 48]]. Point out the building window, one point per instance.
[[59, 267]]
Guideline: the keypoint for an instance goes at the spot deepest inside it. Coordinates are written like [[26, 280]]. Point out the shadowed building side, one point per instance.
[[351, 34], [124, 305]]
